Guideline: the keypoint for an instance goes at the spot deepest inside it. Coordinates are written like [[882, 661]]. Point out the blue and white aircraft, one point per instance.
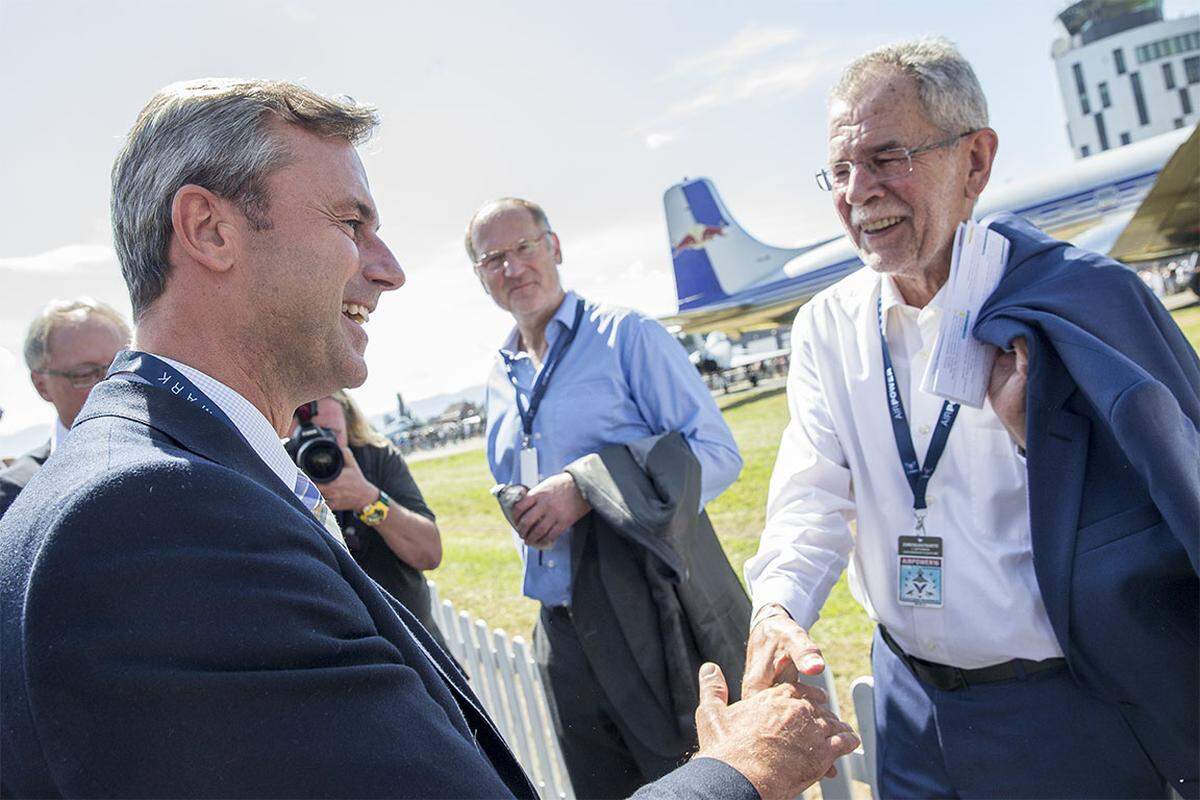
[[1137, 203]]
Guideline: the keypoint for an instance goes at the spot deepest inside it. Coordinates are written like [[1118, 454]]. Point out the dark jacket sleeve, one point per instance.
[[700, 779], [185, 636]]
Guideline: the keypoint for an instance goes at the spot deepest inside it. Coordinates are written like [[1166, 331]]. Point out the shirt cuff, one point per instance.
[[787, 594]]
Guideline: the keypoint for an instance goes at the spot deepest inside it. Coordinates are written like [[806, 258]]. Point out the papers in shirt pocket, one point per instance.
[[961, 364]]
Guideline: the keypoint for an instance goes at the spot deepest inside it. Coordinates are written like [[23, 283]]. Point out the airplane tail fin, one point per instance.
[[713, 256]]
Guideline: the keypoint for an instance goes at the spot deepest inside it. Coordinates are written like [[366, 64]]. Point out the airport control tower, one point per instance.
[[1125, 73]]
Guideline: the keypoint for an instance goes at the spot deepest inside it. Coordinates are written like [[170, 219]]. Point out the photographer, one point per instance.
[[387, 526]]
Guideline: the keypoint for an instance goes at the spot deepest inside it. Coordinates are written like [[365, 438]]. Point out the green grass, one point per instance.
[[481, 573], [1189, 321]]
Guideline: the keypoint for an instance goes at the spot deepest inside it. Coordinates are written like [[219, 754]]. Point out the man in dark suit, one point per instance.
[[180, 617], [68, 349]]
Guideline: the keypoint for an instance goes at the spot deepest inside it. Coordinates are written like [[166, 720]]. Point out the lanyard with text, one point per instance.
[[157, 372], [921, 556], [528, 463]]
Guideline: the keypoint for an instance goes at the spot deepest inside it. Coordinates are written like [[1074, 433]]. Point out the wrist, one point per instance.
[[366, 496], [766, 612]]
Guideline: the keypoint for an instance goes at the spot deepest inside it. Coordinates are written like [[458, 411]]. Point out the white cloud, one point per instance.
[[66, 259], [656, 140], [748, 43], [801, 69]]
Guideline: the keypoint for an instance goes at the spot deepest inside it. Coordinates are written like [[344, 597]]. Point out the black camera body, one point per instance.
[[315, 449]]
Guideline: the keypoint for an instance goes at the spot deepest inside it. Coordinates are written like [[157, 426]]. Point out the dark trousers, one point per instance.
[[1041, 736], [603, 755]]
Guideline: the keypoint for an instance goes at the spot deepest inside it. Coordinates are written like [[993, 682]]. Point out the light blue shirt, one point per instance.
[[622, 378]]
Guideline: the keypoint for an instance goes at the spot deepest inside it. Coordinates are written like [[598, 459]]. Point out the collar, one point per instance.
[[890, 294], [250, 422], [564, 315], [59, 434]]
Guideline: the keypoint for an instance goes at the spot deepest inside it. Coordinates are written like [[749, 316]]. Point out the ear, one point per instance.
[[557, 245], [206, 227], [981, 154], [38, 379]]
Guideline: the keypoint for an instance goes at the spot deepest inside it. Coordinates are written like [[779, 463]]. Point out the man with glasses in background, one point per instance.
[[68, 349], [982, 687], [572, 379]]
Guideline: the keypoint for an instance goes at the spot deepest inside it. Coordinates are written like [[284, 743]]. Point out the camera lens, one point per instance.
[[321, 459]]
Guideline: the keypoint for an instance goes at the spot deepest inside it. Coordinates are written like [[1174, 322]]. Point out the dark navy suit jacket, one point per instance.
[[1113, 448], [175, 623]]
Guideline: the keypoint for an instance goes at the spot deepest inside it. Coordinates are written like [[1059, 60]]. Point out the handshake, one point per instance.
[[782, 738]]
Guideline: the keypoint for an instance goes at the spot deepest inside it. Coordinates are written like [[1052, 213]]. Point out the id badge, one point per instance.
[[529, 466], [920, 573]]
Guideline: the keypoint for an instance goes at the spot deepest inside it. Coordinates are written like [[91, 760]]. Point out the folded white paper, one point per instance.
[[961, 364]]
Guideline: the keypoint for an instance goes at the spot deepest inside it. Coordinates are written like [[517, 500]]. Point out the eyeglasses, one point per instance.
[[886, 165], [523, 250], [83, 377]]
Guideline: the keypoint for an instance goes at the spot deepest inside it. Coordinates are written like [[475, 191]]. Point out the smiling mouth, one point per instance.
[[881, 225], [356, 313]]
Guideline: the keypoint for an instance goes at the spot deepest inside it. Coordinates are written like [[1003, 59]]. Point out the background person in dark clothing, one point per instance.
[[396, 539]]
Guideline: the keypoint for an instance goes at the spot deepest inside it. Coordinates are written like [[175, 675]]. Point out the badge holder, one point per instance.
[[920, 568]]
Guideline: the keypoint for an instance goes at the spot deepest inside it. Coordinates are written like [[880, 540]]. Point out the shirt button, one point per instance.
[[930, 644], [924, 429], [550, 563]]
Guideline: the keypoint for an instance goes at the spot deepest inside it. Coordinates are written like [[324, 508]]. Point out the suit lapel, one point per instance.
[[1056, 461]]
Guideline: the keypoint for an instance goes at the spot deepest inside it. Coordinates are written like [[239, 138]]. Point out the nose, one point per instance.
[[861, 186], [513, 265], [381, 268]]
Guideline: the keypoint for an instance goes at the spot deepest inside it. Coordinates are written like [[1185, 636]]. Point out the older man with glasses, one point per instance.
[[68, 349], [967, 550], [574, 378]]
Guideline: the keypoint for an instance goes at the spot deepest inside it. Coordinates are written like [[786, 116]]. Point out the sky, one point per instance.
[[591, 109]]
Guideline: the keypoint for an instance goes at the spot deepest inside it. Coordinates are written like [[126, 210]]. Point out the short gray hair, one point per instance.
[[950, 93], [58, 312], [215, 133], [493, 207]]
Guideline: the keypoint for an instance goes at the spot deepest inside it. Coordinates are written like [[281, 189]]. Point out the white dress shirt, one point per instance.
[[838, 462]]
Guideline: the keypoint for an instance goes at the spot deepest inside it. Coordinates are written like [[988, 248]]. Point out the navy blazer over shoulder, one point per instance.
[[1113, 444]]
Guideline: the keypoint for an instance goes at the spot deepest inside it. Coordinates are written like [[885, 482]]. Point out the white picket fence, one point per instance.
[[507, 681]]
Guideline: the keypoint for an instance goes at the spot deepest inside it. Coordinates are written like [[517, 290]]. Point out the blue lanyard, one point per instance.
[[918, 476], [543, 379], [157, 372]]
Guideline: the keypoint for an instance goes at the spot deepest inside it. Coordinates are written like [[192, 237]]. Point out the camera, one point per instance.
[[314, 449]]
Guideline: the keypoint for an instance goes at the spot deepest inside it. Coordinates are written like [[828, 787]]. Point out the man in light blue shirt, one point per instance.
[[572, 378]]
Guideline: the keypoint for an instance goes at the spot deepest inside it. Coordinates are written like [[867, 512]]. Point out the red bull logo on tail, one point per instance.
[[697, 237]]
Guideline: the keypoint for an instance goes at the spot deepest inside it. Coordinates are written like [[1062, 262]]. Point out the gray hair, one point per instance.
[[58, 312], [493, 207], [950, 93], [216, 133]]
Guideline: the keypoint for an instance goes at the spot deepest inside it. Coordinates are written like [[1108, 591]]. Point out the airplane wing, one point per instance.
[[1167, 223]]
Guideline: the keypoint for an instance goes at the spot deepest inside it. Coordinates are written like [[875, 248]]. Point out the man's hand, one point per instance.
[[1006, 389], [782, 739], [548, 510], [350, 491], [777, 650]]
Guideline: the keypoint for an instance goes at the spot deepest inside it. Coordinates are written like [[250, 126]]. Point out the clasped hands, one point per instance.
[[781, 735]]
